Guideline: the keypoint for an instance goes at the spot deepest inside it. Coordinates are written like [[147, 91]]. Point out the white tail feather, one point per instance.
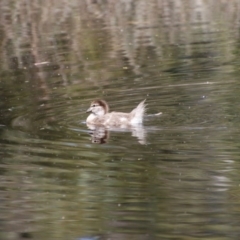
[[138, 113]]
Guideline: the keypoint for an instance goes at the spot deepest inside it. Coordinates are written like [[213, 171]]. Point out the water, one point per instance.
[[175, 178]]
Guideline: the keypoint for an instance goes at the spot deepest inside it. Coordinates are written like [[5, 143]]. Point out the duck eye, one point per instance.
[[93, 105]]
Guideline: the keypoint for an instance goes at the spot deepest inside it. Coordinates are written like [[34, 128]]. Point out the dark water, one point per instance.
[[178, 177]]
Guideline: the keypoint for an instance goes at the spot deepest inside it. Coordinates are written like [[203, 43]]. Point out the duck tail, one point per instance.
[[138, 113]]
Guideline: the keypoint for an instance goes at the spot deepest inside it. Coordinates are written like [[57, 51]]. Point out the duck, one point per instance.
[[100, 115]]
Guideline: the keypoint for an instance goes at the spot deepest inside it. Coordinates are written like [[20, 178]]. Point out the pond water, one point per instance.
[[177, 177]]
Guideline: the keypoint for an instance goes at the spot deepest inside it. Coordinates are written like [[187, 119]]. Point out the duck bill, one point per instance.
[[89, 110]]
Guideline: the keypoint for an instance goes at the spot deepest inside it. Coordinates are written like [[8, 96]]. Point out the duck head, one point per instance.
[[98, 108]]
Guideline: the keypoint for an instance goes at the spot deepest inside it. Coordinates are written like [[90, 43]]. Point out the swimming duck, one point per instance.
[[101, 116]]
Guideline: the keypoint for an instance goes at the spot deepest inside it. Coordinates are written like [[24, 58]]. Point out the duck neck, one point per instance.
[[91, 117]]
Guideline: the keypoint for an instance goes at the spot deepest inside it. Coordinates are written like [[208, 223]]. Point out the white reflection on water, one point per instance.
[[101, 134]]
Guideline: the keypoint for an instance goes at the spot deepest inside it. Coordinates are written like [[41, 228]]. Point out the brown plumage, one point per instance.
[[100, 115]]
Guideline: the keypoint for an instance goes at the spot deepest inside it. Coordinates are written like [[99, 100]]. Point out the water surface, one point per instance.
[[175, 178]]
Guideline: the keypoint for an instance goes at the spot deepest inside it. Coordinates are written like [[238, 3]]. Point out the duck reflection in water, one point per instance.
[[100, 121], [101, 134]]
